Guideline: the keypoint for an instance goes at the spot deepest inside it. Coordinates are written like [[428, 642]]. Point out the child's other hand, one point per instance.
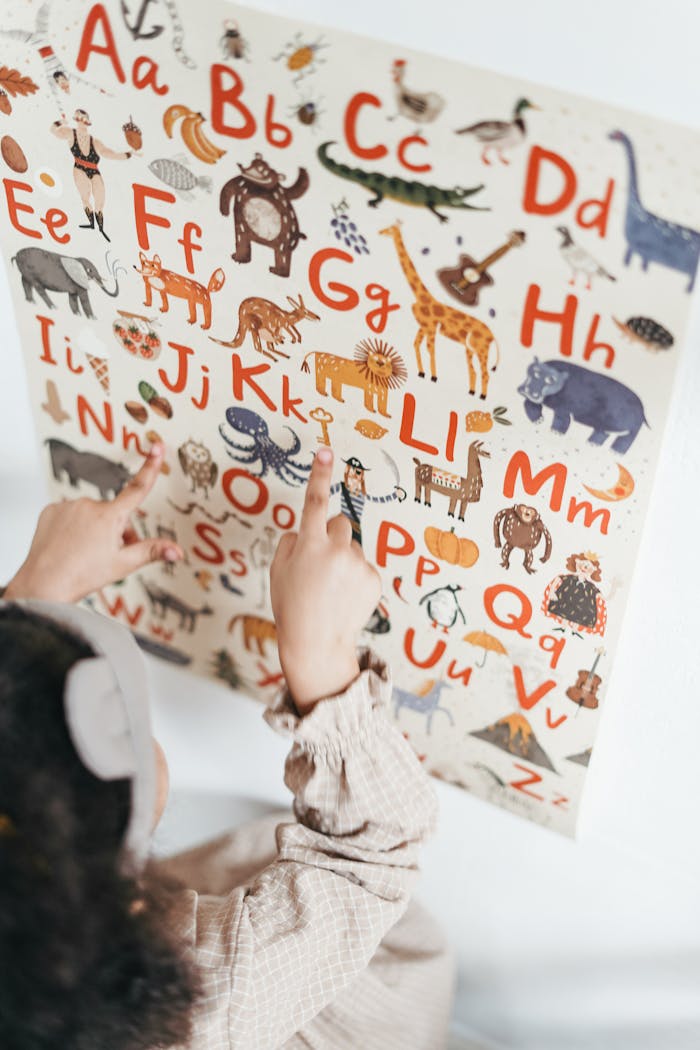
[[323, 591], [83, 544]]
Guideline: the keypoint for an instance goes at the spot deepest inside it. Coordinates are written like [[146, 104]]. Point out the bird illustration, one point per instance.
[[197, 464], [420, 107], [579, 259], [203, 578], [443, 606], [52, 406], [500, 134]]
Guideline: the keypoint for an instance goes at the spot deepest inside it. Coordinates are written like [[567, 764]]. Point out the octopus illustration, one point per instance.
[[264, 450]]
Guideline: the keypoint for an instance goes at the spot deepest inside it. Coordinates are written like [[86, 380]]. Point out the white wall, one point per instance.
[[590, 944]]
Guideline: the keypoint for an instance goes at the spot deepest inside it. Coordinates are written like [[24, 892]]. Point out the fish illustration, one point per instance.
[[179, 177]]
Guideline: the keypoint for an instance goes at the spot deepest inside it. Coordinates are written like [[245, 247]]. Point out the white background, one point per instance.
[[590, 944]]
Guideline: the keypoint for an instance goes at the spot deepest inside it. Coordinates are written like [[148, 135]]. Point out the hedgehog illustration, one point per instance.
[[651, 334]]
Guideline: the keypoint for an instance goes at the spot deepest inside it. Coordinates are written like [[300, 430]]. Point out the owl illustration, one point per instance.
[[197, 464]]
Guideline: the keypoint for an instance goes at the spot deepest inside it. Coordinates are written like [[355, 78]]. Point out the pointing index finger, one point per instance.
[[315, 512], [136, 490]]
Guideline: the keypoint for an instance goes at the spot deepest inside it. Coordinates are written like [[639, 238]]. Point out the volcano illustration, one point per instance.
[[514, 735], [583, 757]]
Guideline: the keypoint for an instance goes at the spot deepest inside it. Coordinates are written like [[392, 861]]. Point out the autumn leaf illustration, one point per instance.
[[12, 81]]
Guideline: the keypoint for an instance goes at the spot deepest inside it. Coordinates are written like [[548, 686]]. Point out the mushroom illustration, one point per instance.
[[485, 641]]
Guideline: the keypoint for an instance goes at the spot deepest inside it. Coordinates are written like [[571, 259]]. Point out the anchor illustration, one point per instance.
[[136, 29]]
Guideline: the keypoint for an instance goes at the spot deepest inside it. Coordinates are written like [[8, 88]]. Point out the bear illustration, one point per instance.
[[262, 212]]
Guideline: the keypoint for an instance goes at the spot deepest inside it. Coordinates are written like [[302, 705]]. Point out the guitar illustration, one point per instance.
[[465, 281], [584, 691]]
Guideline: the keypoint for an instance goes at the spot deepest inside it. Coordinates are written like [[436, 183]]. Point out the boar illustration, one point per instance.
[[107, 476]]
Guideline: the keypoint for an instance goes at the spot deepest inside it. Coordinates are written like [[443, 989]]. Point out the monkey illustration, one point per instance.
[[197, 464], [262, 212], [524, 528]]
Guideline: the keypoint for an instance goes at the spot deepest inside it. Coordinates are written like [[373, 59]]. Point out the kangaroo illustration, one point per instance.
[[162, 600], [169, 283], [255, 629], [266, 322]]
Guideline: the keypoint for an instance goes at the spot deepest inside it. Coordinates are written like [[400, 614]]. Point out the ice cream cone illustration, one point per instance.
[[100, 367]]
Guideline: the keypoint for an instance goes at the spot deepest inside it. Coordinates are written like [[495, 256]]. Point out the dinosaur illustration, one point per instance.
[[651, 237], [433, 317], [416, 193], [161, 601]]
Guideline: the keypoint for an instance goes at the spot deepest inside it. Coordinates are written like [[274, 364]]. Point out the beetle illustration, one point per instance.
[[301, 58]]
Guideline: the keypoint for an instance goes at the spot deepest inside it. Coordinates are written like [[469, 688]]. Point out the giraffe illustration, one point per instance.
[[433, 317]]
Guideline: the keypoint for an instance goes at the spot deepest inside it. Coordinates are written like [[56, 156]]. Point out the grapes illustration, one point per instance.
[[347, 231]]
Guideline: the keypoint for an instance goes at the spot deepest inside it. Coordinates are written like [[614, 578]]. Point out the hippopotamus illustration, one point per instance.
[[87, 466], [574, 392]]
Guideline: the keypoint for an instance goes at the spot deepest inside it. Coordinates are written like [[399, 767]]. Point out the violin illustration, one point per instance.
[[465, 281], [584, 691]]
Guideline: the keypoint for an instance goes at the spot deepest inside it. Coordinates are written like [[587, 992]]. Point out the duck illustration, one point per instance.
[[579, 259], [500, 134], [443, 606]]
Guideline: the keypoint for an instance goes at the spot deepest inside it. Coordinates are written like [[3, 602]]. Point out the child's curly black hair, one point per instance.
[[86, 956]]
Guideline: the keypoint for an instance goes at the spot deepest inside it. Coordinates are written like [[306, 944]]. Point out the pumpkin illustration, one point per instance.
[[457, 550]]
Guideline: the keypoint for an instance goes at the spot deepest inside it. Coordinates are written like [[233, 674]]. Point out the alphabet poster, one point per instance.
[[248, 237]]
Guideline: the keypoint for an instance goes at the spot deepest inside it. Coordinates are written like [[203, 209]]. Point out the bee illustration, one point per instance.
[[233, 43]]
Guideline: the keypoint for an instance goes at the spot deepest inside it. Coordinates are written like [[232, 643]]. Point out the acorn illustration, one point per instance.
[[5, 104], [132, 133]]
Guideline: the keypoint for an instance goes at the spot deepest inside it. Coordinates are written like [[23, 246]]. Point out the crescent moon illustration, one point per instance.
[[623, 487]]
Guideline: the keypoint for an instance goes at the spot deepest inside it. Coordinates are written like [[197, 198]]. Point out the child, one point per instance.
[[308, 941]]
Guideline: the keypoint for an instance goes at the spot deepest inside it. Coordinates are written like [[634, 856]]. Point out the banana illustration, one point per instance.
[[192, 134], [197, 142], [172, 115]]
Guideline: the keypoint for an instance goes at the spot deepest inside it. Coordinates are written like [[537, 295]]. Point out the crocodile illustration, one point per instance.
[[416, 193]]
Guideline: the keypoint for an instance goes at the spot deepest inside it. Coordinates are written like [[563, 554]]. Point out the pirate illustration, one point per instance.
[[353, 494], [57, 78], [87, 152]]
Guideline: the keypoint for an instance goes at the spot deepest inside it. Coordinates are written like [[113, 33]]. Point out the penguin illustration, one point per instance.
[[443, 607]]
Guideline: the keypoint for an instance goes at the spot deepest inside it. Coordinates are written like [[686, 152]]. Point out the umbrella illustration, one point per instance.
[[485, 641]]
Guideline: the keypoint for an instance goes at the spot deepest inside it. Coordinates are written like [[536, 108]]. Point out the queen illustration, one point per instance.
[[573, 598]]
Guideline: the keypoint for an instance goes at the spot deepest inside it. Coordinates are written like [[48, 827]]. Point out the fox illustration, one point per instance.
[[169, 283]]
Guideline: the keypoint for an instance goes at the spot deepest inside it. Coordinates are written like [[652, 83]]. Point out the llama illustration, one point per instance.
[[425, 703], [460, 489], [169, 283], [433, 317], [651, 237], [266, 322]]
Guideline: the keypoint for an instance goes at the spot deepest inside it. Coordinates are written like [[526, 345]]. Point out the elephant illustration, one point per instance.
[[590, 398], [44, 271]]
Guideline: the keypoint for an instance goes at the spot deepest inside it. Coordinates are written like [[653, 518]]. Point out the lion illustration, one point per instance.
[[376, 368]]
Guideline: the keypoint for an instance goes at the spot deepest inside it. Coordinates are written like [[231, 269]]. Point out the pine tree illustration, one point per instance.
[[225, 668]]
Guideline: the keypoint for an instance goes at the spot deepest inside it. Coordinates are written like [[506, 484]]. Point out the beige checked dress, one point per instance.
[[301, 925]]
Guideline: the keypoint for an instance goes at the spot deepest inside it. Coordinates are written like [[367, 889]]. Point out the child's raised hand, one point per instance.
[[323, 591], [83, 544]]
